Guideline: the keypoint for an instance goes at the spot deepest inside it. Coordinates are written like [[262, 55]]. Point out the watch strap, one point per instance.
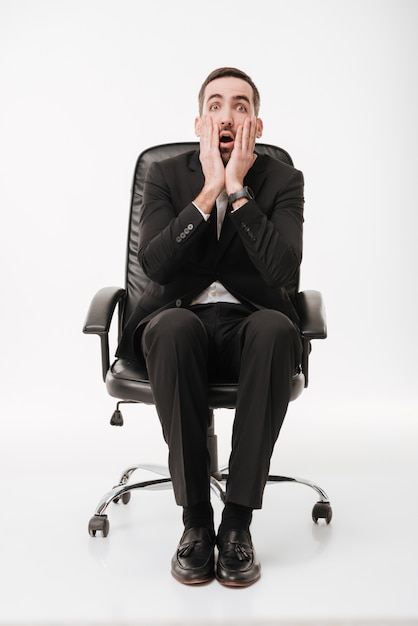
[[245, 192]]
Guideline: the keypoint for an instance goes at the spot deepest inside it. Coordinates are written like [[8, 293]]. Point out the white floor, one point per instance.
[[361, 569]]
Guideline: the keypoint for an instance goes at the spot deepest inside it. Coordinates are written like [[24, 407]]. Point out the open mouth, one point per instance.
[[226, 138]]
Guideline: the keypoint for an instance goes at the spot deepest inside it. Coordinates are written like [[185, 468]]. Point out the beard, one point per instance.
[[225, 155]]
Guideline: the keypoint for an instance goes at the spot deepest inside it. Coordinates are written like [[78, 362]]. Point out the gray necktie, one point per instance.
[[221, 204]]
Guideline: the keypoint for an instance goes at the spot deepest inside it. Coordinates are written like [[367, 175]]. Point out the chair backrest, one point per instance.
[[136, 281]]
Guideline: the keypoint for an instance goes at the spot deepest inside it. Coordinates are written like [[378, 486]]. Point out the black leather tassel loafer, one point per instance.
[[194, 561], [237, 562]]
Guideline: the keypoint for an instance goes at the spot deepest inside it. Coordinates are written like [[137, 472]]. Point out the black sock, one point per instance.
[[235, 517], [199, 516]]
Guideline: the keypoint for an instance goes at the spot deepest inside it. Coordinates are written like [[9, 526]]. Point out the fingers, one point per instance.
[[210, 156], [246, 135], [208, 133], [242, 156]]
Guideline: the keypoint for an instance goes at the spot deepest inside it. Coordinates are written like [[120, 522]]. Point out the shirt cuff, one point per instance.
[[205, 216], [238, 207]]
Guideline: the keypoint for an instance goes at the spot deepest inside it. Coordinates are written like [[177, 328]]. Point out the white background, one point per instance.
[[86, 85]]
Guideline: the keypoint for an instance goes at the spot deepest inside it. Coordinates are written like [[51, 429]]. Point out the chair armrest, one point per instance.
[[312, 314], [101, 310], [99, 317]]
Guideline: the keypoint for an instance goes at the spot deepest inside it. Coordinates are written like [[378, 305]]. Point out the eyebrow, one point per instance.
[[218, 96]]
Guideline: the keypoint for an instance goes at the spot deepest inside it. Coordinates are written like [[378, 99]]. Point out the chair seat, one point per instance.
[[128, 380]]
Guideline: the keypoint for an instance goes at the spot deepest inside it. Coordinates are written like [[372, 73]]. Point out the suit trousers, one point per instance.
[[184, 349]]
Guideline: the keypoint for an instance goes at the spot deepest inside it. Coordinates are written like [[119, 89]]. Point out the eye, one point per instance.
[[214, 107], [241, 108]]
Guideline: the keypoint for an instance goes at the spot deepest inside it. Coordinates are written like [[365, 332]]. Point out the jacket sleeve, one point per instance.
[[166, 232], [273, 238]]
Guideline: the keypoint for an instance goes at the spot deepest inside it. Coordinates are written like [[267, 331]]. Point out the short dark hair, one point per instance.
[[229, 71]]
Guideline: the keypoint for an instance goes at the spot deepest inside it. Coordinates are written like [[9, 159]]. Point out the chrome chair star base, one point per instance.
[[121, 493]]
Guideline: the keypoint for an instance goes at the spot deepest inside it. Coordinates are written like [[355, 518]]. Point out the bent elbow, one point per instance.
[[157, 272]]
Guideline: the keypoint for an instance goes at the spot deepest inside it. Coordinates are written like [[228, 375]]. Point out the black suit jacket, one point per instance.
[[257, 257]]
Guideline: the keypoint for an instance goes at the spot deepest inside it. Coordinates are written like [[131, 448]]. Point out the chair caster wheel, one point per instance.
[[322, 510], [125, 497], [99, 523]]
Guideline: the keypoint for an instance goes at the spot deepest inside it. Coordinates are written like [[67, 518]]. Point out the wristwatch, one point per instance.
[[245, 192]]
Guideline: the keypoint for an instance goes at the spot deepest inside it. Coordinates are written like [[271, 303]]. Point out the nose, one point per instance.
[[226, 120]]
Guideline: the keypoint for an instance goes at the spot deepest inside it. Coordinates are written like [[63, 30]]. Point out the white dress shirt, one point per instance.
[[216, 292]]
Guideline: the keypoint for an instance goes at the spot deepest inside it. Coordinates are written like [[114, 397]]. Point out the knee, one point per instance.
[[177, 325], [272, 332], [271, 325]]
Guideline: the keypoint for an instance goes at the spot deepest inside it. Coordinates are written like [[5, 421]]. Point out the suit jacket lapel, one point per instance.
[[254, 179], [227, 233], [196, 178]]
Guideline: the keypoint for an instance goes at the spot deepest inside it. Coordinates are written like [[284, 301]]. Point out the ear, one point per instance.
[[260, 127], [197, 126]]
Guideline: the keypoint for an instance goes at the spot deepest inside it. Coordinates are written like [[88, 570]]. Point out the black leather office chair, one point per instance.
[[129, 383]]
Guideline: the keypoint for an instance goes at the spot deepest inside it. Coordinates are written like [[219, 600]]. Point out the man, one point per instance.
[[220, 239]]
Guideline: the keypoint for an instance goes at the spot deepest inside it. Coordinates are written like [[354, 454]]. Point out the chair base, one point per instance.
[[99, 523]]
